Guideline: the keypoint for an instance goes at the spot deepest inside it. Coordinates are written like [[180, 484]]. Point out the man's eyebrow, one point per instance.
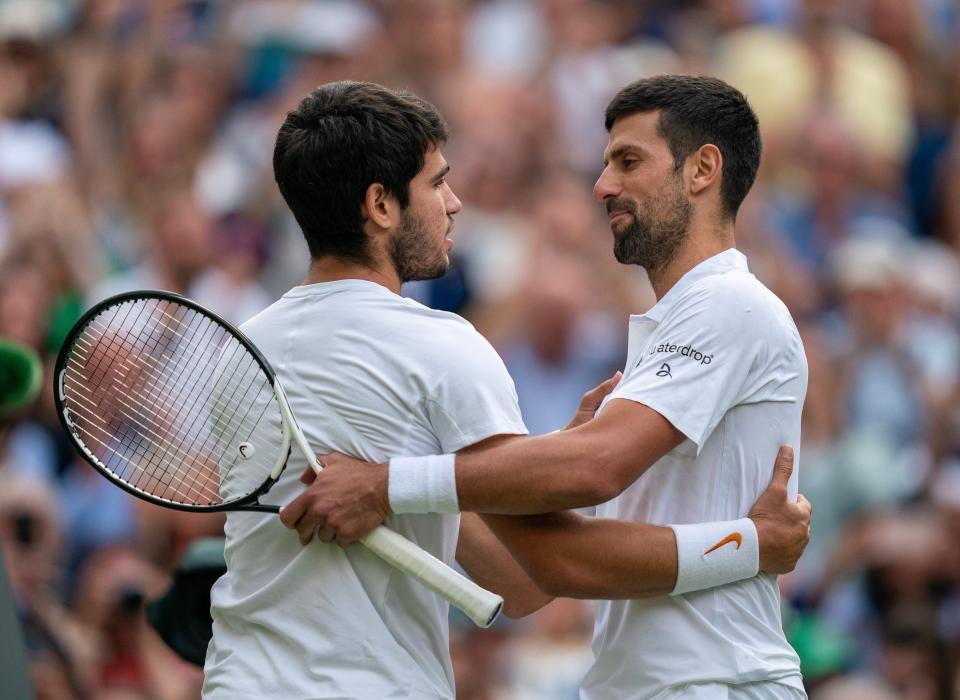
[[622, 150], [442, 174]]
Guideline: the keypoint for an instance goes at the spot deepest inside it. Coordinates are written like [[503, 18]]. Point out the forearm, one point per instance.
[[575, 557], [536, 475], [581, 467], [488, 562]]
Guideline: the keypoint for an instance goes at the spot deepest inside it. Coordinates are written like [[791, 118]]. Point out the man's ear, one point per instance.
[[707, 167], [380, 207]]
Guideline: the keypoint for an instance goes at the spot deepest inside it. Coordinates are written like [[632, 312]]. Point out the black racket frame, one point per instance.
[[247, 503]]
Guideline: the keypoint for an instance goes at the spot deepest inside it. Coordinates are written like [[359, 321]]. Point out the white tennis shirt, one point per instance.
[[370, 374], [721, 359]]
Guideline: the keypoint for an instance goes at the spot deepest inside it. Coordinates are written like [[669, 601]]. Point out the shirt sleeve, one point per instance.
[[475, 399], [698, 362]]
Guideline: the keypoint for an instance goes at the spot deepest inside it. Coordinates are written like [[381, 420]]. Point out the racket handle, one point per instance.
[[479, 604]]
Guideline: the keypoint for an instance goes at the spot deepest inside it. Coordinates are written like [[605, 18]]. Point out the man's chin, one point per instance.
[[625, 256], [431, 273]]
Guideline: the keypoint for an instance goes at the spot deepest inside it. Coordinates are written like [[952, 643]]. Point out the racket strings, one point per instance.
[[162, 396], [81, 342], [122, 418], [169, 450], [132, 410], [154, 400]]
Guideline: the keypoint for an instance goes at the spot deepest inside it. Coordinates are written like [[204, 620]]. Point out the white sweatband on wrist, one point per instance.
[[423, 484], [713, 554]]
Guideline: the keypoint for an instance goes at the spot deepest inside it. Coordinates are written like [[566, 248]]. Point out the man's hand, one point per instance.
[[591, 401], [344, 502], [782, 525]]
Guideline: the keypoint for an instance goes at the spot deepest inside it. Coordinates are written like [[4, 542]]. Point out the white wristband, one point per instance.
[[713, 554], [423, 484]]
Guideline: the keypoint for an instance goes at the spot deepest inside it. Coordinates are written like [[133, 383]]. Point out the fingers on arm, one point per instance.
[[593, 398], [297, 515], [782, 467]]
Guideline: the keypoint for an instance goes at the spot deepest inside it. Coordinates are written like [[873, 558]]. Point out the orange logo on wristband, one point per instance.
[[732, 537]]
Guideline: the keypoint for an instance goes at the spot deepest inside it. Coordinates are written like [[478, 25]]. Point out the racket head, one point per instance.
[[172, 403]]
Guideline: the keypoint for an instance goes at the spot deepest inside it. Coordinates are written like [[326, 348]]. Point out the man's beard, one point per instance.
[[413, 252], [656, 233]]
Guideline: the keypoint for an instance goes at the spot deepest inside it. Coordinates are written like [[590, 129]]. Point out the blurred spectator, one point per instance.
[[883, 391], [29, 533], [114, 585]]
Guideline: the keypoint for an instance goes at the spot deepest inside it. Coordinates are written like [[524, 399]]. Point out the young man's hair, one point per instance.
[[342, 138], [696, 110]]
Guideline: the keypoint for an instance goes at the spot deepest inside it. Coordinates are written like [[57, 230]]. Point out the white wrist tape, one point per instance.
[[713, 554], [423, 485]]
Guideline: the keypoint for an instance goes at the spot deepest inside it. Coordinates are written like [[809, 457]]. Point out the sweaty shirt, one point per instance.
[[370, 374], [720, 358]]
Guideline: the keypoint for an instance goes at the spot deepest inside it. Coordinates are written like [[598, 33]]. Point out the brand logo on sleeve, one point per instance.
[[732, 537], [683, 351], [664, 371]]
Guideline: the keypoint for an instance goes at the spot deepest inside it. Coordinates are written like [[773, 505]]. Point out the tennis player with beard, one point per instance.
[[714, 381]]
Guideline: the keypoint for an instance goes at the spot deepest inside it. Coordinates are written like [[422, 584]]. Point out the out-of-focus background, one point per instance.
[[135, 151]]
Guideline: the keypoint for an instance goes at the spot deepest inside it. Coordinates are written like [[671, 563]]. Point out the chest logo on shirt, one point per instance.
[[732, 537], [664, 371], [682, 350]]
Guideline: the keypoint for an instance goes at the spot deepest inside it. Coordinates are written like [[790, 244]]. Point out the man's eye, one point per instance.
[[629, 163], [439, 183]]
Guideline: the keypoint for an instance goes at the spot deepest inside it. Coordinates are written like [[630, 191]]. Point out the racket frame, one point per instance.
[[249, 502]]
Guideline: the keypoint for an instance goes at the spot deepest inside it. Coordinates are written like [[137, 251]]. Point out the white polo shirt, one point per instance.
[[721, 359], [370, 374]]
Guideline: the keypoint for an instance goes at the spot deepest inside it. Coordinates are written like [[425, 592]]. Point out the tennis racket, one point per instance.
[[176, 406]]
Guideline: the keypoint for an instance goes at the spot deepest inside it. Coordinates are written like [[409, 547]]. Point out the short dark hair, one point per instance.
[[343, 137], [695, 110]]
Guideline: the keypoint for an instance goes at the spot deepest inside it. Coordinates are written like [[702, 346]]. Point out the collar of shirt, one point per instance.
[[729, 259]]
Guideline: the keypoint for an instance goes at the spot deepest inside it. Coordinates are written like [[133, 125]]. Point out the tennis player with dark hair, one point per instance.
[[714, 381], [369, 372]]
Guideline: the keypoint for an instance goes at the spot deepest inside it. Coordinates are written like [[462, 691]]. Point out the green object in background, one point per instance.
[[822, 650], [21, 374], [65, 312], [182, 615]]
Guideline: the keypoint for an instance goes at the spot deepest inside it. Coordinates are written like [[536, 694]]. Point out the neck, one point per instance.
[[702, 243], [331, 269]]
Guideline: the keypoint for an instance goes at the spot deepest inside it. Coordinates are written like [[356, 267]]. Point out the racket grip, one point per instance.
[[477, 603]]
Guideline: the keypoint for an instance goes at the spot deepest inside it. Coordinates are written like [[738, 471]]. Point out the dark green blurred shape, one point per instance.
[[182, 615], [21, 374], [66, 312]]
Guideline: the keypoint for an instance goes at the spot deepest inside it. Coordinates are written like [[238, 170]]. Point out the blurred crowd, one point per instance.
[[135, 151]]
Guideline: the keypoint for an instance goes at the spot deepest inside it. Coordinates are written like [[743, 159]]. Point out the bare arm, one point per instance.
[[581, 467], [489, 563], [571, 556]]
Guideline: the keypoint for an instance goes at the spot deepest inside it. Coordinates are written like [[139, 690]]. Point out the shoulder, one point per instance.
[[738, 302], [735, 312], [440, 332], [276, 313]]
